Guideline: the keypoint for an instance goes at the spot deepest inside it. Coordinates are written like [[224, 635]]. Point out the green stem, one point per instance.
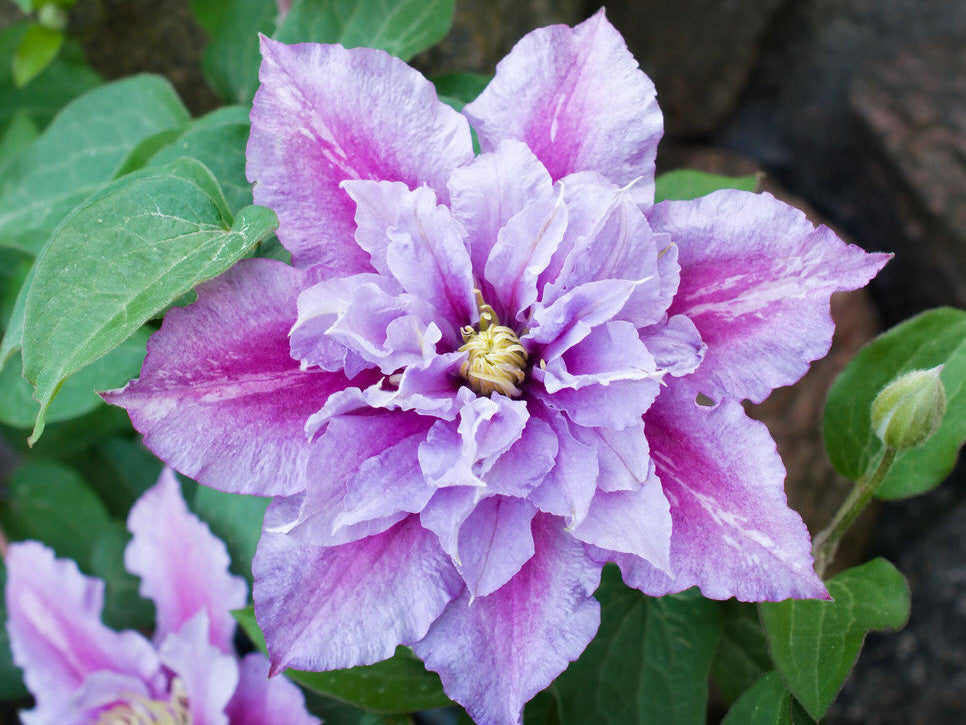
[[825, 544]]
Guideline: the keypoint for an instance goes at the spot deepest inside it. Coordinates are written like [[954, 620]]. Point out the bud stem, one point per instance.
[[825, 544]]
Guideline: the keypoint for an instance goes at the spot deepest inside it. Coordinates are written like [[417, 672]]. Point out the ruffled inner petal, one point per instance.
[[367, 315], [419, 244], [490, 190], [357, 458]]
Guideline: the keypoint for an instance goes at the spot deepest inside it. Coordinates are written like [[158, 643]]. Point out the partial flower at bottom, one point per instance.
[[81, 672]]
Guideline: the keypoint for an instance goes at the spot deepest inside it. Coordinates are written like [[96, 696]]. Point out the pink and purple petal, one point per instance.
[[56, 634], [569, 486], [494, 542], [386, 484], [259, 700], [445, 513], [359, 322], [676, 345], [342, 606], [561, 324], [182, 566], [339, 458], [616, 405], [622, 455], [496, 652], [612, 351], [608, 237], [578, 99], [634, 522], [219, 397], [733, 534], [490, 190], [420, 244], [523, 249], [208, 675], [756, 277], [607, 379], [526, 463], [460, 453], [325, 114]]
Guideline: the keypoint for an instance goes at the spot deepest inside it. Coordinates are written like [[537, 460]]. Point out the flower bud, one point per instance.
[[52, 16], [909, 410]]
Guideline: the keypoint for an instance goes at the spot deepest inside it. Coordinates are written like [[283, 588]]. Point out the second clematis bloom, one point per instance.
[[81, 672], [479, 382]]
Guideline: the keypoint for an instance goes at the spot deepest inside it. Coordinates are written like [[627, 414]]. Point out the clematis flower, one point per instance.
[[480, 380], [81, 672]]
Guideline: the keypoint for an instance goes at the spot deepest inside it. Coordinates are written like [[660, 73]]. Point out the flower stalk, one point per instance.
[[826, 543]]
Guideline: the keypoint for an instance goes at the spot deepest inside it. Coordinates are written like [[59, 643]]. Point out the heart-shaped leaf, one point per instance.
[[815, 643], [79, 152], [121, 257], [767, 702], [648, 663]]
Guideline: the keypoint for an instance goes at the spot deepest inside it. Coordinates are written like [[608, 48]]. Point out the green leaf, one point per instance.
[[51, 503], [218, 141], [13, 335], [77, 396], [14, 269], [767, 702], [541, 710], [398, 685], [145, 150], [333, 712], [932, 338], [128, 252], [400, 27], [742, 654], [211, 14], [124, 607], [80, 151], [230, 62], [20, 133], [69, 440], [120, 468], [815, 643], [461, 87], [648, 663], [236, 520], [37, 50], [67, 77], [11, 678], [689, 184]]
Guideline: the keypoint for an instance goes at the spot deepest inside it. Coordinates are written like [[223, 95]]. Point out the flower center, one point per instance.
[[140, 710], [496, 360]]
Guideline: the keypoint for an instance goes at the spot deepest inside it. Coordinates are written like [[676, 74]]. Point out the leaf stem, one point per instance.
[[825, 544]]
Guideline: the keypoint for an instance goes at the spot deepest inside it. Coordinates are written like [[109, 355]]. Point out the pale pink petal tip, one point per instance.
[[183, 567]]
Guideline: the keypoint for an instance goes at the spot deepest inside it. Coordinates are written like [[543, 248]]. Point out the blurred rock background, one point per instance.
[[854, 109]]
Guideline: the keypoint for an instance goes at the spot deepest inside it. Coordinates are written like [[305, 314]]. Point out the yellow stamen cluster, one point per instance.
[[139, 710], [496, 362]]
